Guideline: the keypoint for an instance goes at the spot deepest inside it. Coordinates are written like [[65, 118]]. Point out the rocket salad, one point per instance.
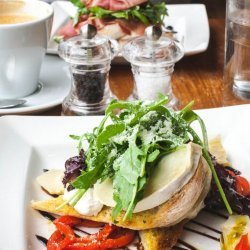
[[127, 146]]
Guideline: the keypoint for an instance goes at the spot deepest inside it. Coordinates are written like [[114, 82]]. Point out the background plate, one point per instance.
[[30, 144], [189, 20]]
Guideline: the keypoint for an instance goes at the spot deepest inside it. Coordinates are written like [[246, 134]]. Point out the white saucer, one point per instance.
[[54, 87]]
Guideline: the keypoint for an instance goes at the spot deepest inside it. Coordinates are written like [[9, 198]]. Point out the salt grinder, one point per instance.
[[152, 58], [89, 56]]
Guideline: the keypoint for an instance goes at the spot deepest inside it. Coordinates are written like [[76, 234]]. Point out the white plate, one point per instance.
[[55, 84], [30, 144], [189, 20]]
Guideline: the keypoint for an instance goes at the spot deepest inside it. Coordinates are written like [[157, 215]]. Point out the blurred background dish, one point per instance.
[[190, 21]]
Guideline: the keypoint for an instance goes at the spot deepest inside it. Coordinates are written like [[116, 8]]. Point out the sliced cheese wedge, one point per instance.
[[170, 175], [51, 181]]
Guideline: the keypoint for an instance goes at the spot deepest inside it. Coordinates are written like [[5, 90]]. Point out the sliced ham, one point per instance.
[[115, 29], [113, 4], [68, 30]]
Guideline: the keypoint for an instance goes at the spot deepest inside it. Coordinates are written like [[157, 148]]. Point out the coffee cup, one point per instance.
[[25, 27]]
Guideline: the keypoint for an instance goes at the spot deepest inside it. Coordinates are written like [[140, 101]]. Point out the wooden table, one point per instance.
[[198, 77]]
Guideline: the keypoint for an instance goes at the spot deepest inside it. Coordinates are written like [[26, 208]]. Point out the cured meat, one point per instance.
[[68, 30], [113, 4], [115, 29]]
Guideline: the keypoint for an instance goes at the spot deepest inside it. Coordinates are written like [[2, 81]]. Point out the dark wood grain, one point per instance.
[[198, 77]]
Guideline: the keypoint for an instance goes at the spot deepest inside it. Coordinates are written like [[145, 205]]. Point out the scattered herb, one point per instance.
[[128, 149]]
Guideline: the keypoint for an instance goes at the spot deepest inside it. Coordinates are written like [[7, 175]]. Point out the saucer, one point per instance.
[[54, 85]]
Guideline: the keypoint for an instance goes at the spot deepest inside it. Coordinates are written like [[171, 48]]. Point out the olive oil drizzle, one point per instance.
[[42, 239], [47, 215], [189, 246]]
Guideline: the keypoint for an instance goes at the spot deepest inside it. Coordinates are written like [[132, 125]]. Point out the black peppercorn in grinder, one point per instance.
[[89, 56]]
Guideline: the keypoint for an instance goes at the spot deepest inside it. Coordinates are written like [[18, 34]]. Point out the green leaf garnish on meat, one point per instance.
[[127, 146], [151, 13]]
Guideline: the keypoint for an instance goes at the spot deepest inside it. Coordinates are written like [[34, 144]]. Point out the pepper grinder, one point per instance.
[[152, 59], [89, 56]]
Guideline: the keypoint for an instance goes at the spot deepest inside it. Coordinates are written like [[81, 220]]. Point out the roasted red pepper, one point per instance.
[[54, 242], [109, 237], [242, 186], [90, 223], [244, 243]]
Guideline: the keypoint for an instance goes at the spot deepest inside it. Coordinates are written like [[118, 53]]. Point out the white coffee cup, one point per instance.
[[23, 46]]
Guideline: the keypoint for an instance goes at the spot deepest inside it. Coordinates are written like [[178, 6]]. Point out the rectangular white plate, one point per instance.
[[30, 144], [189, 20]]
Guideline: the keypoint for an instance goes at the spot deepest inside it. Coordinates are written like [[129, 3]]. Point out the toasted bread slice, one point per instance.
[[163, 238], [169, 213]]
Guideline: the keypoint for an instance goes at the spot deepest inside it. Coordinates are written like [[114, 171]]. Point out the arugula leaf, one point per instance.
[[129, 166], [75, 137], [190, 116], [108, 132], [119, 105], [142, 17], [78, 3], [99, 12], [153, 156], [90, 177], [121, 14], [126, 179]]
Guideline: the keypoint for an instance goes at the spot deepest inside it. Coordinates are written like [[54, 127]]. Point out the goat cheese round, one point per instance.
[[172, 173]]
